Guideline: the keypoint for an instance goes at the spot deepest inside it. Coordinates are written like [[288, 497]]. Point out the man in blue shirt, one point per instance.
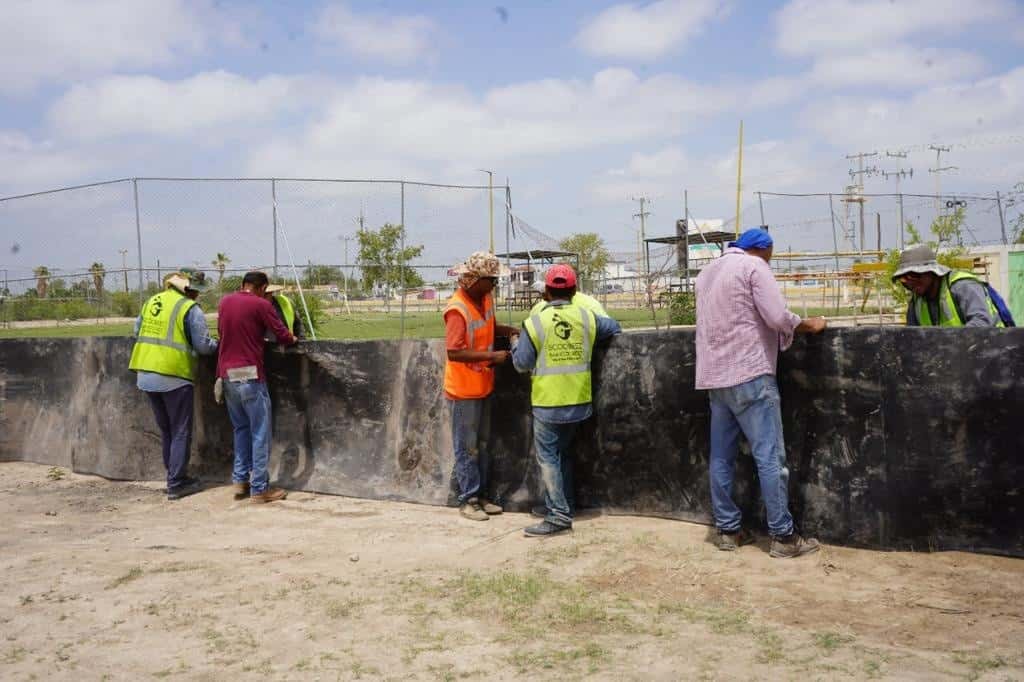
[[556, 345], [172, 397]]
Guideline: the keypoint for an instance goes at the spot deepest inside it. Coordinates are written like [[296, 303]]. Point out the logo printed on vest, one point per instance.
[[157, 306], [563, 329]]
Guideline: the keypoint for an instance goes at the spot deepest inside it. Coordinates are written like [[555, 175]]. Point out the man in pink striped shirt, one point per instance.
[[742, 323]]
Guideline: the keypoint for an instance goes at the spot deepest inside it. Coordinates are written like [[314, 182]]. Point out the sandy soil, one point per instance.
[[109, 580]]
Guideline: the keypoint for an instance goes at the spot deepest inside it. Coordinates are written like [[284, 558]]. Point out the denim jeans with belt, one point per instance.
[[552, 442], [752, 408], [249, 408], [471, 420]]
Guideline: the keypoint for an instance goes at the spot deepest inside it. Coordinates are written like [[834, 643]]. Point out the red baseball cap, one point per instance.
[[560, 277]]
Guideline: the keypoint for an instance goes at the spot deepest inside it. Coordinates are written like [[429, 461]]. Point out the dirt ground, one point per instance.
[[109, 581]]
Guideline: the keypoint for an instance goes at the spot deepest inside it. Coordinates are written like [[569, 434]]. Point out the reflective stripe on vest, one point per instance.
[[564, 337], [468, 380], [287, 310], [162, 346], [949, 316]]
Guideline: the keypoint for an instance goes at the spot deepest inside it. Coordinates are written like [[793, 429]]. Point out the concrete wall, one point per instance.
[[896, 438]]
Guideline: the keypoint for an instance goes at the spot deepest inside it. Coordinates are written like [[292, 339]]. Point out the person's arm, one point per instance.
[[524, 357], [300, 330], [138, 326], [505, 330], [607, 327], [770, 303], [912, 320], [971, 300], [199, 332], [273, 322]]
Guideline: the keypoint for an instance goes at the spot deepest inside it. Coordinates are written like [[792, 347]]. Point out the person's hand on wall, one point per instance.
[[812, 325]]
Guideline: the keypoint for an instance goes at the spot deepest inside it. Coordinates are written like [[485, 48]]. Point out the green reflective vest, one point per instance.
[[162, 346], [288, 310], [580, 299], [564, 337], [949, 316]]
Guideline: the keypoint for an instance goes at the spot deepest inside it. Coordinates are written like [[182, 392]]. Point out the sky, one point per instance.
[[582, 105]]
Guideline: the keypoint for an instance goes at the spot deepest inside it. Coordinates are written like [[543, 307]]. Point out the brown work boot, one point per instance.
[[240, 490], [268, 495], [472, 510], [730, 542], [792, 545], [489, 507]]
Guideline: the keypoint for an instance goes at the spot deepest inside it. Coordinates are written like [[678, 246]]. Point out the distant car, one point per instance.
[[613, 288]]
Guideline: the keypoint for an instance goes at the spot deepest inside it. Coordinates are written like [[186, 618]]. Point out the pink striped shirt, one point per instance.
[[742, 321]]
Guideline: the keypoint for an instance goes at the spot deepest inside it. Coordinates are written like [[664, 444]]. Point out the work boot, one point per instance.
[[792, 545], [189, 480], [191, 487], [545, 529], [240, 490], [472, 510], [731, 541], [489, 507], [268, 495], [540, 511]]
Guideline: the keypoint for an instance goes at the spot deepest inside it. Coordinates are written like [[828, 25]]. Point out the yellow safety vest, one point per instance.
[[580, 299], [564, 337], [288, 310], [949, 316], [162, 346]]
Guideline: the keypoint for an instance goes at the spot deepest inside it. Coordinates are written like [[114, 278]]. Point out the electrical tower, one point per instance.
[[642, 215], [899, 174], [939, 170], [855, 195]]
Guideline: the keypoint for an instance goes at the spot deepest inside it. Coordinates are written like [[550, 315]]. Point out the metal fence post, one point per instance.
[[401, 264], [273, 197], [1002, 219], [138, 238]]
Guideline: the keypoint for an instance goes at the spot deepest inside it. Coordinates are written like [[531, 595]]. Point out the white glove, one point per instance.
[[218, 391]]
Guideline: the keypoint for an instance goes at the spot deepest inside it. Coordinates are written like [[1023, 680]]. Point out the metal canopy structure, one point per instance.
[[520, 295], [542, 255], [686, 238]]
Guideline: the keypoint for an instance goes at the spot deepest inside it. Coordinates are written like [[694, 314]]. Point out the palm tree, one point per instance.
[[99, 272], [42, 274], [220, 262]]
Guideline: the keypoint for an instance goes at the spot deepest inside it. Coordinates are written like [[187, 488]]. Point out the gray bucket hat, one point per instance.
[[196, 279], [919, 259]]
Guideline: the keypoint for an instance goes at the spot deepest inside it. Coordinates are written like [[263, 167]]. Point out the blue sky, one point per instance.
[[583, 105]]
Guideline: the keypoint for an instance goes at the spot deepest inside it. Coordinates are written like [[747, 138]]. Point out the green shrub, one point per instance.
[[124, 304], [682, 308]]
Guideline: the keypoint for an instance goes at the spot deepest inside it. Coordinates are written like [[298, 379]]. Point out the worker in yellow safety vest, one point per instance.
[[285, 310], [581, 299], [941, 297], [470, 330], [170, 331], [557, 347]]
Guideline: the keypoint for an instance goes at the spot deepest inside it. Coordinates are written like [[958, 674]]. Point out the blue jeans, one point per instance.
[[752, 407], [471, 423], [551, 442], [249, 408]]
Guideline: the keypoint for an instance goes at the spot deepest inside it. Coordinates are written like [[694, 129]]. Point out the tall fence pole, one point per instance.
[[138, 238], [760, 204], [903, 224], [401, 264], [273, 197], [835, 246], [510, 292], [1002, 218]]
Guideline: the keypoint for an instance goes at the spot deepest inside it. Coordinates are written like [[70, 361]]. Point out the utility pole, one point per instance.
[[344, 276], [858, 177], [490, 203], [938, 170], [899, 174], [642, 215], [124, 267]]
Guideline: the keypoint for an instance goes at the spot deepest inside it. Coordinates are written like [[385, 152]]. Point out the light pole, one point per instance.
[[124, 267], [344, 277], [490, 202]]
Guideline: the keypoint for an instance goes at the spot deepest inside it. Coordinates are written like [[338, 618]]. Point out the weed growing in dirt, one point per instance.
[[134, 573], [978, 663], [342, 608], [55, 473], [592, 653], [830, 641]]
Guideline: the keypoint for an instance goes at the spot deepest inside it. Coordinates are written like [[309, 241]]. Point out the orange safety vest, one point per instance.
[[465, 380]]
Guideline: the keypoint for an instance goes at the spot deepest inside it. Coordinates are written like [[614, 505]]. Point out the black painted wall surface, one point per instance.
[[896, 438]]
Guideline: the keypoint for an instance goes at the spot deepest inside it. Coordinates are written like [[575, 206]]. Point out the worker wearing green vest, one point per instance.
[[941, 297], [170, 331], [557, 344], [285, 310]]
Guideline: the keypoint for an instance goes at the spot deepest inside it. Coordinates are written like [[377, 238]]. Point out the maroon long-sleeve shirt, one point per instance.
[[242, 319]]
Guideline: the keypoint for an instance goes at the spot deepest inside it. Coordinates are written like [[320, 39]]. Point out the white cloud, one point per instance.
[[634, 31], [61, 40], [663, 163], [389, 38], [900, 67], [123, 106], [940, 113], [38, 164], [810, 27]]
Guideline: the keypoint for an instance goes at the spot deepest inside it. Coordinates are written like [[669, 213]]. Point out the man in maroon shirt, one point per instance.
[[243, 319]]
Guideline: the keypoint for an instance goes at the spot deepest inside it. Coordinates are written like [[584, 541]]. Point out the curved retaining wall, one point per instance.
[[896, 438]]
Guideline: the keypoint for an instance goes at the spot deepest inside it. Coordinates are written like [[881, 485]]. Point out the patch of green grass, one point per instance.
[[342, 608], [770, 647], [978, 663], [133, 573], [722, 621], [830, 641], [873, 669], [592, 654], [55, 473]]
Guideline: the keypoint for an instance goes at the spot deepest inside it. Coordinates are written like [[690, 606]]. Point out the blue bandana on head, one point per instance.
[[754, 238]]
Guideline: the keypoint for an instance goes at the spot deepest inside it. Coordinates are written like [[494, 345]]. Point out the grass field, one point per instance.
[[370, 325]]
